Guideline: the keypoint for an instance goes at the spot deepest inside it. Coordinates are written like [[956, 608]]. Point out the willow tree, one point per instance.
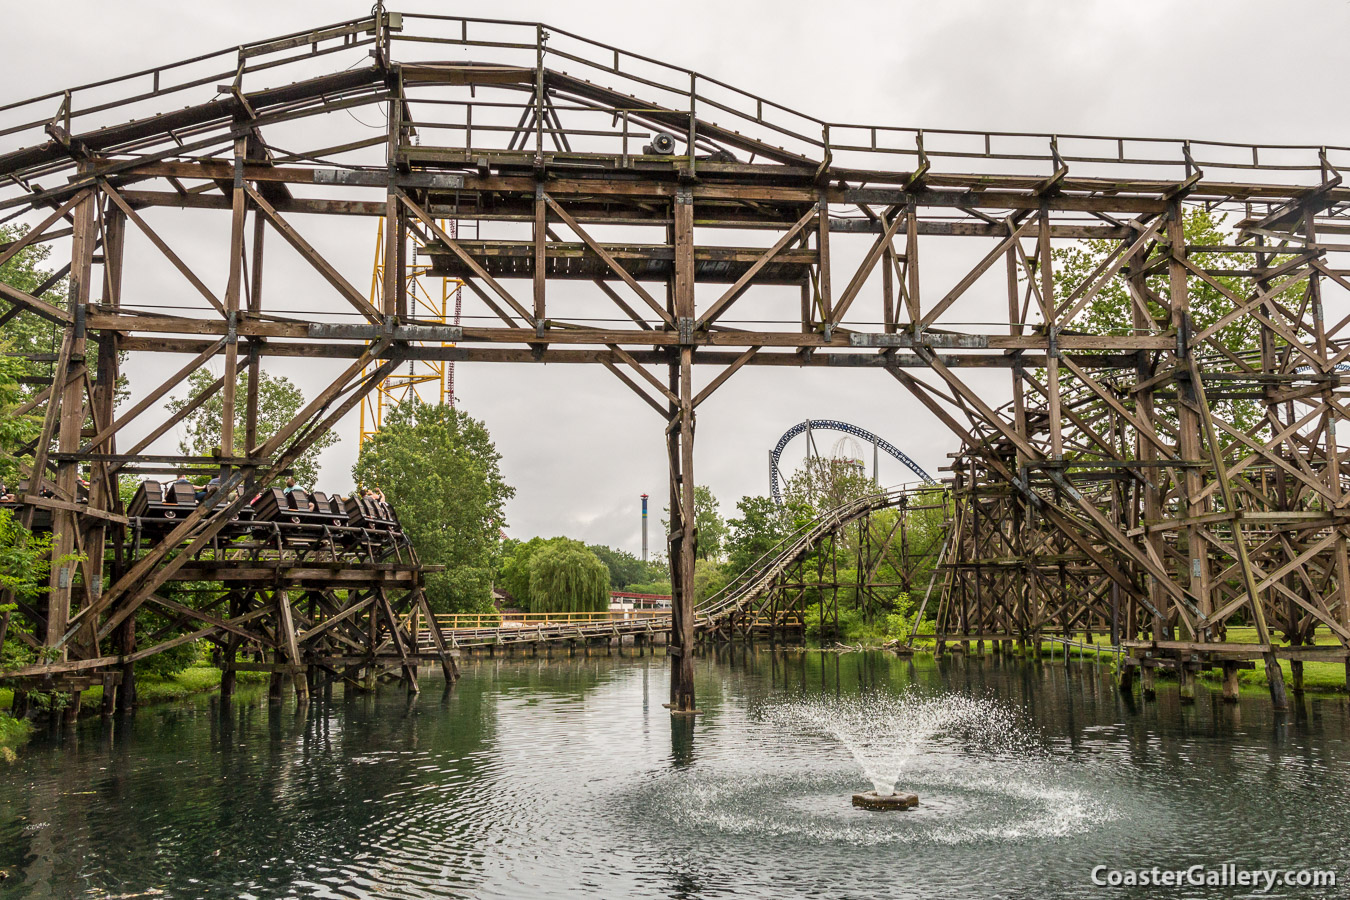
[[567, 577]]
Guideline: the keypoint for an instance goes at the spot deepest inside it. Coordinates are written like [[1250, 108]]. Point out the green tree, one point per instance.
[[279, 399], [762, 524], [624, 567], [439, 469], [15, 430], [514, 574], [1111, 311], [710, 577], [708, 522], [567, 577], [712, 528], [824, 482], [657, 585], [25, 564], [26, 334]]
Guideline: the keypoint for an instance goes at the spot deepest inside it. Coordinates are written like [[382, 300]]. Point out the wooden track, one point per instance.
[[1108, 484]]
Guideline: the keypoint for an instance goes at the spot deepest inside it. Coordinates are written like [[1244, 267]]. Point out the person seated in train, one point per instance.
[[208, 489], [292, 486], [183, 480], [6, 495]]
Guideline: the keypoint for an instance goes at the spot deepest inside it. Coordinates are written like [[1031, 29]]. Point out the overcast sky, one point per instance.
[[576, 445]]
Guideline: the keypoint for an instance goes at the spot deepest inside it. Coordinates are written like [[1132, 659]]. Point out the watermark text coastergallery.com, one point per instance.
[[1259, 881]]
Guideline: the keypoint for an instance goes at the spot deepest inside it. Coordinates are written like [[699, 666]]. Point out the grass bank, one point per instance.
[[151, 689], [13, 735], [1318, 677]]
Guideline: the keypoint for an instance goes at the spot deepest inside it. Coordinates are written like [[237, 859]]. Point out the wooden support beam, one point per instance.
[[314, 258]]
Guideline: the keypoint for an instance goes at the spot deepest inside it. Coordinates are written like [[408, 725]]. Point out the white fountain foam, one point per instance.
[[885, 732]]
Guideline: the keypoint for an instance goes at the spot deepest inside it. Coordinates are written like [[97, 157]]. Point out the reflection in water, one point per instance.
[[566, 778], [682, 741]]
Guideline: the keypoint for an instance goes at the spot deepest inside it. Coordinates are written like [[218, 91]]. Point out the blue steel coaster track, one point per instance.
[[834, 425]]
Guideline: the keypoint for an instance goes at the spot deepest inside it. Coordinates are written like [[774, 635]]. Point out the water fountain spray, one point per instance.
[[884, 733]]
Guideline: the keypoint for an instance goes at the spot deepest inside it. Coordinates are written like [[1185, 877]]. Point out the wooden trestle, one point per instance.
[[1108, 492]]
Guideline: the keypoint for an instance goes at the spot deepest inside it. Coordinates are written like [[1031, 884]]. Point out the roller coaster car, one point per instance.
[[298, 517], [367, 512], [42, 518], [330, 508], [274, 505], [310, 507], [147, 492], [153, 500]]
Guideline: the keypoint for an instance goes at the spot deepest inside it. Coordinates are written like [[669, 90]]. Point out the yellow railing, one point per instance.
[[473, 621], [459, 621]]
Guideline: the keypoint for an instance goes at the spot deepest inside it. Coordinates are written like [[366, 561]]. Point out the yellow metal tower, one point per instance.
[[430, 381]]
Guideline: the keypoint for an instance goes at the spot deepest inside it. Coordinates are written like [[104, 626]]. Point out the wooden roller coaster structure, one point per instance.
[[1108, 493]]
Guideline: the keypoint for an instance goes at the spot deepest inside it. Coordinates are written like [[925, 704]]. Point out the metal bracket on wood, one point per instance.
[[686, 326], [446, 333], [900, 339], [366, 178]]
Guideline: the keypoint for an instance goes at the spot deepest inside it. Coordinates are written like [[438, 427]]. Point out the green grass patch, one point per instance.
[[1318, 677], [178, 686], [159, 688], [1246, 634], [13, 735]]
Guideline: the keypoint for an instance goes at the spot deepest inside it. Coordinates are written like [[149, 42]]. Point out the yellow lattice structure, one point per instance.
[[431, 381]]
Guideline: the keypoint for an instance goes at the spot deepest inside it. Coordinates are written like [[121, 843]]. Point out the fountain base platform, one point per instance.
[[873, 800]]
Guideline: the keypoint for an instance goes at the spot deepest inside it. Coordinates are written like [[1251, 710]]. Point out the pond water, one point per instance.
[[567, 778]]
